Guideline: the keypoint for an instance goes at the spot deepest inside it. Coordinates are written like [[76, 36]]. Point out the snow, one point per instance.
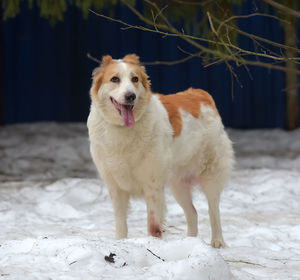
[[57, 222]]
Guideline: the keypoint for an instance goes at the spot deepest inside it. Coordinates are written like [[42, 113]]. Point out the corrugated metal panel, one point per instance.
[[47, 74]]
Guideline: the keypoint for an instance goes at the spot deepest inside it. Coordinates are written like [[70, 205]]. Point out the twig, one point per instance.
[[174, 61], [296, 86], [252, 36], [202, 3], [93, 58], [156, 255], [237, 57], [246, 262], [186, 36], [283, 8], [248, 16]]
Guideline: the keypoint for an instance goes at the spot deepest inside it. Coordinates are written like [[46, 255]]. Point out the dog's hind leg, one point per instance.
[[182, 193], [212, 190]]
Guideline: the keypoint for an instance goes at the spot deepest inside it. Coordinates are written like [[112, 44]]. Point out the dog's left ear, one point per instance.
[[145, 79], [132, 58]]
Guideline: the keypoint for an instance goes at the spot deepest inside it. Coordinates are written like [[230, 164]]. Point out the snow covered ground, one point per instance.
[[56, 219]]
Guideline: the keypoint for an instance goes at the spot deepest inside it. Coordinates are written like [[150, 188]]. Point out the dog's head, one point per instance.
[[121, 89]]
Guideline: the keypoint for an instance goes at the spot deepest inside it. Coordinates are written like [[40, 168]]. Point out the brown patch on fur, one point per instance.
[[153, 227], [190, 101], [131, 58]]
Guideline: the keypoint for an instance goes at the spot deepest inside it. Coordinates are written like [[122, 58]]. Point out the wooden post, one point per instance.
[[1, 70], [292, 96]]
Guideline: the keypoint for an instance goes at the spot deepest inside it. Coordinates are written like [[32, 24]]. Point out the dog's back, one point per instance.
[[199, 143], [201, 155]]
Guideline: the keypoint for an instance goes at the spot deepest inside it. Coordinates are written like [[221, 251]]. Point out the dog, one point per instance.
[[141, 141]]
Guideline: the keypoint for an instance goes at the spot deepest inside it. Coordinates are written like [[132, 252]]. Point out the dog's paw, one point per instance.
[[218, 243], [156, 233], [155, 230]]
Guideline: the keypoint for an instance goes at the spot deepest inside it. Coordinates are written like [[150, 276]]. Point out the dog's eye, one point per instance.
[[135, 79], [115, 79]]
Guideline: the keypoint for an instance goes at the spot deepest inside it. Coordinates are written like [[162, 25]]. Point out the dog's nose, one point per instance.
[[130, 97]]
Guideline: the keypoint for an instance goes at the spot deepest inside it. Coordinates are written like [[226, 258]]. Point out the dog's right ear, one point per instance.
[[106, 59], [97, 74]]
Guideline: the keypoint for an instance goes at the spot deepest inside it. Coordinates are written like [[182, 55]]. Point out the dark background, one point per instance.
[[46, 75]]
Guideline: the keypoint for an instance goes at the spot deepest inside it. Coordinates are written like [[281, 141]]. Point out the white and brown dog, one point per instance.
[[141, 141]]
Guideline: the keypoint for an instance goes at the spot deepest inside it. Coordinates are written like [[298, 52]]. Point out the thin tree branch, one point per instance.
[[271, 66], [252, 36], [173, 62], [237, 57], [184, 36], [296, 86], [283, 8], [246, 262], [248, 16], [203, 3], [156, 255], [93, 58]]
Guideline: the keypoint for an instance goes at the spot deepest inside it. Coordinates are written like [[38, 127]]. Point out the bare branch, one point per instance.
[[283, 8], [185, 36], [93, 58], [296, 86], [229, 52], [203, 3], [173, 62], [246, 262], [271, 66], [156, 255], [248, 16], [252, 36]]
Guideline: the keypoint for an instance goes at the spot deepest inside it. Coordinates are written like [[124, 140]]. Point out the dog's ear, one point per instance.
[[145, 79], [97, 75], [132, 58], [106, 60]]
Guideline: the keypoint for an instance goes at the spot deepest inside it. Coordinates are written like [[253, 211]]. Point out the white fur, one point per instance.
[[141, 159], [201, 155]]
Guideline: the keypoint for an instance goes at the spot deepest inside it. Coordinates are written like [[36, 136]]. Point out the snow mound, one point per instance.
[[78, 258], [57, 221]]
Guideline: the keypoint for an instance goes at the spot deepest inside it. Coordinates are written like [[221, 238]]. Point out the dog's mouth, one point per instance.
[[125, 111]]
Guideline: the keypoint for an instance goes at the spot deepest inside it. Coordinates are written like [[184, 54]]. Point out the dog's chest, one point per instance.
[[125, 149]]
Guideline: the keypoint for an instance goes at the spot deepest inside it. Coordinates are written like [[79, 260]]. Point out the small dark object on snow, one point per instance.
[[110, 258], [156, 255]]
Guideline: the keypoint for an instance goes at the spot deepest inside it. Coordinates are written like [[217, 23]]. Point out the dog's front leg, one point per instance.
[[155, 199], [120, 200]]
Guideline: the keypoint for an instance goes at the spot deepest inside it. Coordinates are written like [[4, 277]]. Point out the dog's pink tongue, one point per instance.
[[127, 115]]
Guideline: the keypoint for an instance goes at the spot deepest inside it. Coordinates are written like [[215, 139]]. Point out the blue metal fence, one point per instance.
[[47, 75]]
